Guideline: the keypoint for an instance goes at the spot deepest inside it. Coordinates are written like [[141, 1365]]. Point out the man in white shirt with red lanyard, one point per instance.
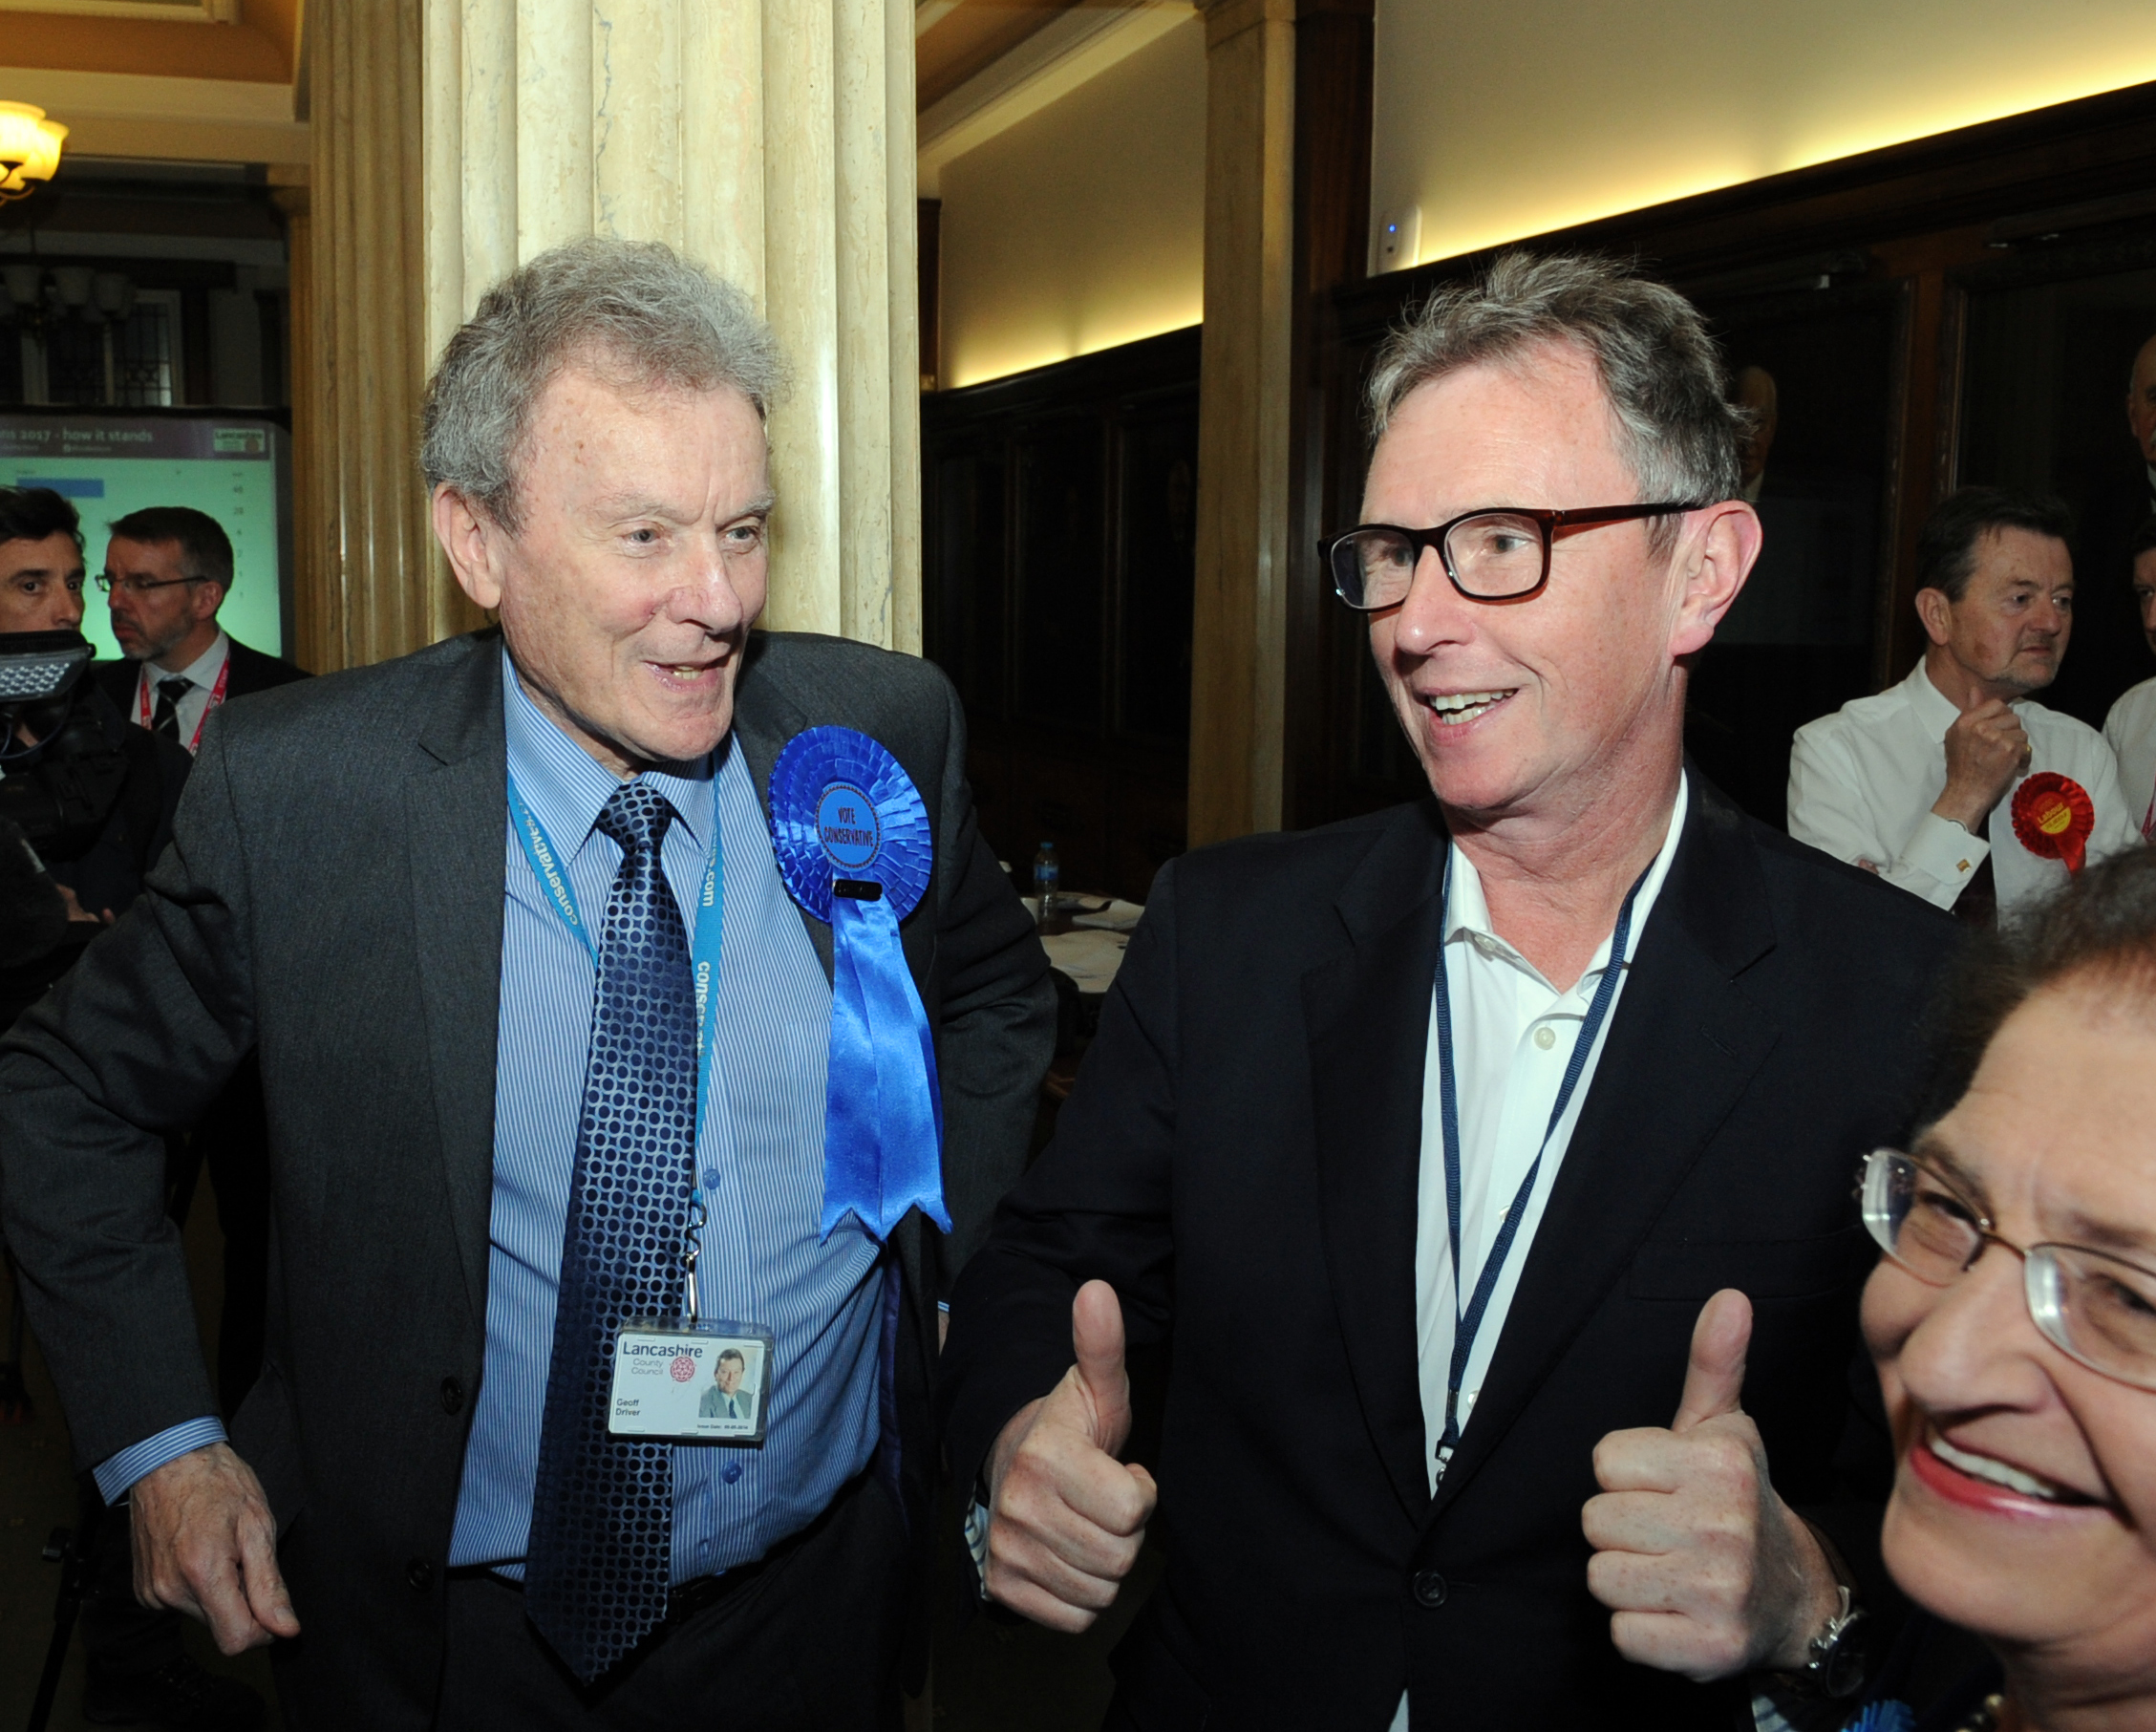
[[2130, 729], [1954, 784], [169, 569]]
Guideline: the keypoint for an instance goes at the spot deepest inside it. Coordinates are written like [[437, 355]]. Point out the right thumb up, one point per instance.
[[1066, 1517], [1096, 1341]]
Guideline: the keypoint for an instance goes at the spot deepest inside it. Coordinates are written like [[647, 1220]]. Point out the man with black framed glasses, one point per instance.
[[169, 569], [1575, 1027]]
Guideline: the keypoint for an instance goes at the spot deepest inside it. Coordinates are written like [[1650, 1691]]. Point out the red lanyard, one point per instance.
[[216, 697]]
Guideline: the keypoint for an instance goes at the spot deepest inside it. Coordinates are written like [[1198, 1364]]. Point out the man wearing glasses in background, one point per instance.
[[1576, 1027], [169, 569]]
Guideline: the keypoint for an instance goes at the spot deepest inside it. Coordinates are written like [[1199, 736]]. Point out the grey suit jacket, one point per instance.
[[334, 896]]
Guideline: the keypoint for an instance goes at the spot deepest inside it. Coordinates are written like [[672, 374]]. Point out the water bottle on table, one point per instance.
[[1047, 881]]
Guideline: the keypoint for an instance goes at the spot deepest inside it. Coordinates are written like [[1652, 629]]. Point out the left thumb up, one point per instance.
[[1714, 1378]]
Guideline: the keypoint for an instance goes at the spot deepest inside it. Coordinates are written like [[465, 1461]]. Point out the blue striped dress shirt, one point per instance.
[[759, 1158]]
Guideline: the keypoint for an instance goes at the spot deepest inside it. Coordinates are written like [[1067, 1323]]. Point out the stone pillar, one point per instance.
[[791, 174], [367, 583], [294, 199], [1238, 673]]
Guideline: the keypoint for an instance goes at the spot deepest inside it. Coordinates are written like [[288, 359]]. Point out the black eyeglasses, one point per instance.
[[1490, 556], [2092, 1306], [142, 585]]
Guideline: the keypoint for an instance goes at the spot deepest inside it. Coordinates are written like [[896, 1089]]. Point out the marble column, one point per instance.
[[369, 584], [1239, 626], [294, 199], [791, 174]]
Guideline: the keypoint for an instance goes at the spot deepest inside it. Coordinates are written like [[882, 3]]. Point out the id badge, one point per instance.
[[702, 1383]]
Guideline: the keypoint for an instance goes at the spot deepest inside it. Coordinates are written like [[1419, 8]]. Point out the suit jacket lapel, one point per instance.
[[765, 718], [1683, 1043], [1368, 1013], [456, 809]]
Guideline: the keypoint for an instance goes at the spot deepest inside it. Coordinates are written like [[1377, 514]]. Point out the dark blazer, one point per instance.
[[104, 865], [335, 894], [1240, 1159], [252, 671]]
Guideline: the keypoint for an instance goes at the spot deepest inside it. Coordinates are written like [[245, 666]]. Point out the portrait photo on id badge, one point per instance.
[[704, 1384]]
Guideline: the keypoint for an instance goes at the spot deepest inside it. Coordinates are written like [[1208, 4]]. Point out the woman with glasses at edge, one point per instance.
[[2013, 1320]]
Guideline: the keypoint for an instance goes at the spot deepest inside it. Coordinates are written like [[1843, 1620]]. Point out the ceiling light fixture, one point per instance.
[[30, 148]]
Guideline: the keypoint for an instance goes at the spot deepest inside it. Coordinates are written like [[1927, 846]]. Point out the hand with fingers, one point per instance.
[[1705, 1570], [206, 1545], [1066, 1517], [78, 913], [1987, 751]]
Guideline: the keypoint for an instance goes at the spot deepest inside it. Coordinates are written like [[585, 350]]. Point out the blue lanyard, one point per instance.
[[547, 866], [1468, 1324]]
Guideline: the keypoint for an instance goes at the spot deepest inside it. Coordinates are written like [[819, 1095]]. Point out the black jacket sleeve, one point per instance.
[[1095, 1206], [996, 1028], [134, 1043]]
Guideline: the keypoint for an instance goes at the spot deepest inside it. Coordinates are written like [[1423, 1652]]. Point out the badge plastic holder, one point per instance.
[[670, 1381]]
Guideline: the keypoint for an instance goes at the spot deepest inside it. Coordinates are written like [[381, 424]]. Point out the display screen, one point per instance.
[[108, 466]]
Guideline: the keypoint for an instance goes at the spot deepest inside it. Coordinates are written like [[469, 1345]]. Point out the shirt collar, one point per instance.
[[1467, 914], [1933, 709], [566, 788], [200, 672]]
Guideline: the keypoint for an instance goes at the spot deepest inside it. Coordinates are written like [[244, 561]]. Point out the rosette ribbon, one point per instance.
[[855, 851], [2054, 818]]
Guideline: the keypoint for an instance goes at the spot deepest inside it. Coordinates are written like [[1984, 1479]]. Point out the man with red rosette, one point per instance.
[[1956, 784]]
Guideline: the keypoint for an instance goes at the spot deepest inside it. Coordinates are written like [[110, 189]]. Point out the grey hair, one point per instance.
[[1668, 390], [633, 309]]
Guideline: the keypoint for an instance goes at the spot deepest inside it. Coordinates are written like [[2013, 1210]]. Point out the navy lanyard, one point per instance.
[[1468, 1324], [549, 868]]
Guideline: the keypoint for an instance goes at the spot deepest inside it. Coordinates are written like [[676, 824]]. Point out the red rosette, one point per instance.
[[2054, 817]]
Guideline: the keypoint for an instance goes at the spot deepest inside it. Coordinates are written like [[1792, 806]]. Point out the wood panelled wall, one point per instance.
[[1863, 277], [1060, 517]]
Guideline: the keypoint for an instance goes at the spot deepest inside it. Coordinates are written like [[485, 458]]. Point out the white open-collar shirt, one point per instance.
[[1513, 1035], [200, 675], [2129, 730]]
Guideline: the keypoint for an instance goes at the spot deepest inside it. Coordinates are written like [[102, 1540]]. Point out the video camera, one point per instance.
[[36, 667], [40, 672]]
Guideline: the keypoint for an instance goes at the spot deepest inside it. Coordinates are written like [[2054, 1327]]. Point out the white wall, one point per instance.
[[1508, 119], [1083, 226]]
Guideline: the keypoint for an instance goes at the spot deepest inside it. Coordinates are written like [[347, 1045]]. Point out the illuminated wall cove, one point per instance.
[[1082, 226], [1501, 122]]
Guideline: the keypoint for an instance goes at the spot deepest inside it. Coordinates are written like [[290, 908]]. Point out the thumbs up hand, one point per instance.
[[1065, 1517], [1705, 1570]]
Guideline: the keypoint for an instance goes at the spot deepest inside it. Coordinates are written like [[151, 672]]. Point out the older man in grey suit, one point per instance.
[[455, 899]]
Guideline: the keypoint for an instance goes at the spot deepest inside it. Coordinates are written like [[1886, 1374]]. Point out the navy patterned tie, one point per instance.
[[601, 1521]]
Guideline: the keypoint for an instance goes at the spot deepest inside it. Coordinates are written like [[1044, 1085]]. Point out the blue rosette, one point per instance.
[[854, 849]]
